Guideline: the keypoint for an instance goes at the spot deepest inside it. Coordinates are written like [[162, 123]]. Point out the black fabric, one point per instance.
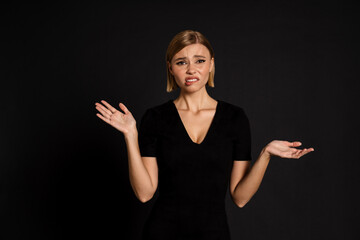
[[193, 178]]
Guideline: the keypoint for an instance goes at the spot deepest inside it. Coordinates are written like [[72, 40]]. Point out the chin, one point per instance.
[[192, 89]]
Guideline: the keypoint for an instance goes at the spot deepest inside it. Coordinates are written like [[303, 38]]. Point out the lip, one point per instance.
[[190, 83], [188, 78]]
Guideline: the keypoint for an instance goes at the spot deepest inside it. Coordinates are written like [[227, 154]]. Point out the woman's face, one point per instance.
[[191, 67]]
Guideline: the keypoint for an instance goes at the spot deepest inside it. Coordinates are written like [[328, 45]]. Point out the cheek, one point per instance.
[[205, 68], [177, 73], [178, 70], [206, 65]]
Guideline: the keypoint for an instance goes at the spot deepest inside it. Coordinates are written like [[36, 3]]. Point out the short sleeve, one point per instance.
[[242, 140], [148, 134]]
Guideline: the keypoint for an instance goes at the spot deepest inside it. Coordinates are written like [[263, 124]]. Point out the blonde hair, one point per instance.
[[179, 41]]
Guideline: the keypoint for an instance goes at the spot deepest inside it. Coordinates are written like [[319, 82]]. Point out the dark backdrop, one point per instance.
[[292, 66]]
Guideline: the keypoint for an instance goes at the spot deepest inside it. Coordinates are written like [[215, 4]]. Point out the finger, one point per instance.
[[124, 108], [104, 112], [104, 109], [111, 108], [305, 151], [301, 152], [294, 150], [308, 150], [292, 144], [105, 119], [296, 144], [297, 153], [293, 153]]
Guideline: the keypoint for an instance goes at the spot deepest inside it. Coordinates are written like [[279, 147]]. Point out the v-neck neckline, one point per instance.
[[209, 129]]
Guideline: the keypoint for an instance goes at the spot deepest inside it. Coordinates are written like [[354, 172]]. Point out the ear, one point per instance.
[[169, 67], [212, 61]]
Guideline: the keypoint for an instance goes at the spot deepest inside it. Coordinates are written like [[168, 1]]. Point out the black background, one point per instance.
[[292, 66]]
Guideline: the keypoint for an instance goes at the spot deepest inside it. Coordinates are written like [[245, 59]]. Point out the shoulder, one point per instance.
[[159, 109], [150, 119], [158, 112], [231, 110], [235, 117]]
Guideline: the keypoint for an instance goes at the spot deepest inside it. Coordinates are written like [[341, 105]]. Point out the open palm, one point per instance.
[[285, 149], [124, 122]]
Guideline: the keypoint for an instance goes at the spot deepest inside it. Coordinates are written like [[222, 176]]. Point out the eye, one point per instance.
[[180, 63], [201, 61]]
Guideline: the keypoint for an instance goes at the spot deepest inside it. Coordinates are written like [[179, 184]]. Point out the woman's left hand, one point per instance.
[[285, 149]]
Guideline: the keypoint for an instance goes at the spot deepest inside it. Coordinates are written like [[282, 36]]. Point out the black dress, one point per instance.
[[193, 178]]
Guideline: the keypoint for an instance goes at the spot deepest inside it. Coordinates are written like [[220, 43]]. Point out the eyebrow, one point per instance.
[[196, 56], [180, 58]]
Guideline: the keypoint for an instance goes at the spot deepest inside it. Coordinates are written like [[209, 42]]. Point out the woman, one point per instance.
[[190, 148]]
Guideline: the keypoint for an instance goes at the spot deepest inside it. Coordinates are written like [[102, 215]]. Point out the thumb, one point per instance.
[[122, 107], [296, 144]]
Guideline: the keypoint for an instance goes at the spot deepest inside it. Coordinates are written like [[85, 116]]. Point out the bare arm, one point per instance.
[[143, 171], [245, 181]]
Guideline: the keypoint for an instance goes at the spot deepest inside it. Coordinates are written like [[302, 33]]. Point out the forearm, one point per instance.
[[139, 177], [250, 183]]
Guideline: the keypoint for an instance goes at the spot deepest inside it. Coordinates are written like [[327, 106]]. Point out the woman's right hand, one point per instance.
[[125, 123]]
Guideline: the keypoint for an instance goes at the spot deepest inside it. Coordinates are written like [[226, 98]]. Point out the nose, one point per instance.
[[191, 69]]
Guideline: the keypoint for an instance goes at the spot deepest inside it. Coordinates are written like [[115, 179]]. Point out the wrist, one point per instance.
[[265, 153], [131, 134]]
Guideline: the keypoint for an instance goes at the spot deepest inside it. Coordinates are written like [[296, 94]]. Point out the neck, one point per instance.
[[194, 101]]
